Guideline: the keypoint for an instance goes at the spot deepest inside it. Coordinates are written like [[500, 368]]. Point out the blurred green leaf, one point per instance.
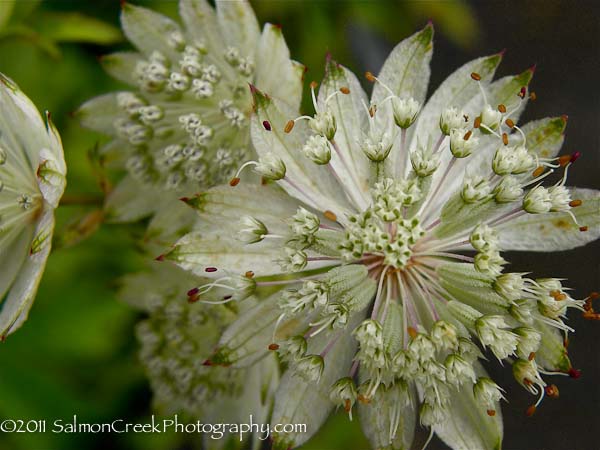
[[76, 27], [6, 10]]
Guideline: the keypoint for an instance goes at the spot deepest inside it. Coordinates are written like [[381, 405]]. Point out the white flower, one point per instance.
[[177, 339], [189, 90], [405, 306], [32, 181]]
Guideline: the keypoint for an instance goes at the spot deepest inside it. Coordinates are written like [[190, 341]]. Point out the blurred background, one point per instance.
[[77, 352]]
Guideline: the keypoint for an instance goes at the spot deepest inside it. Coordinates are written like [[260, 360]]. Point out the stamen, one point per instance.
[[477, 122], [575, 203], [266, 125], [491, 412], [467, 135], [522, 92], [537, 172], [236, 179], [289, 126], [330, 215], [509, 123], [370, 77], [475, 76], [502, 108], [505, 138], [583, 229], [210, 269], [273, 347], [552, 391], [344, 90], [533, 96]]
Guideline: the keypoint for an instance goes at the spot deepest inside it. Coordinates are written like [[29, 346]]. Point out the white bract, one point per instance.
[[32, 181], [378, 306], [184, 123]]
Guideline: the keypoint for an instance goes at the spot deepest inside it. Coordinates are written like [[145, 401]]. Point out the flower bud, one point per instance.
[[405, 111], [377, 147], [294, 260], [317, 149], [460, 146], [271, 167], [475, 188], [508, 190], [487, 393], [423, 162], [537, 201], [451, 118], [490, 117], [310, 367], [252, 230], [484, 238], [323, 123]]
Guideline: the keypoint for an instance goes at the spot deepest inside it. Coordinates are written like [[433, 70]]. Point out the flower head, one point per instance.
[[184, 123], [176, 342], [377, 300], [32, 181]]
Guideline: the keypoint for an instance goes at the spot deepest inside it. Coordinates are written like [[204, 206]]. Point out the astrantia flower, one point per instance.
[[176, 339], [32, 181], [185, 122], [379, 310]]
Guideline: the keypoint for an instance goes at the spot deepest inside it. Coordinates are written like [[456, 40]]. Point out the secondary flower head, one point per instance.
[[379, 308], [184, 123], [176, 338], [32, 181]]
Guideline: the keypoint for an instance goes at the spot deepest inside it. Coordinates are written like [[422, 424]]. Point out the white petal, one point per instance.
[[276, 74], [14, 248], [352, 120], [18, 110], [121, 65], [503, 91], [200, 253], [247, 339], [456, 91], [406, 72], [319, 188], [468, 426], [15, 308], [221, 207], [238, 25], [130, 201], [552, 354], [297, 401], [100, 113], [148, 30], [375, 421], [553, 232], [545, 136], [201, 23]]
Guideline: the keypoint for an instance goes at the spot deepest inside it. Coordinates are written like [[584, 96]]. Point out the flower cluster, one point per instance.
[[174, 338], [361, 224], [184, 124], [32, 181]]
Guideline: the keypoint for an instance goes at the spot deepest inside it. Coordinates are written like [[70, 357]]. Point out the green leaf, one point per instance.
[[76, 27], [6, 10]]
